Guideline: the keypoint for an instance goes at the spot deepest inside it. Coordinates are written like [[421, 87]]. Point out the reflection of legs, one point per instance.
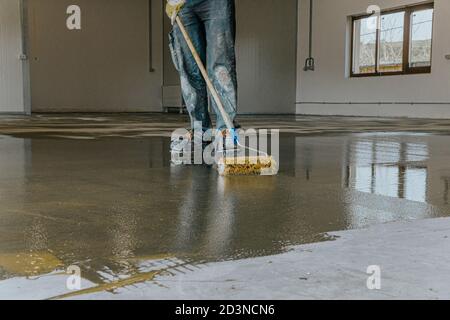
[[218, 17], [193, 85], [221, 223], [191, 209]]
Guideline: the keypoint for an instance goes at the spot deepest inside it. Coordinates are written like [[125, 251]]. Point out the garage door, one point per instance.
[[113, 64], [12, 66]]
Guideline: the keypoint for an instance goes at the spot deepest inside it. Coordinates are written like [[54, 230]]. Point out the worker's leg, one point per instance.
[[193, 85], [219, 19]]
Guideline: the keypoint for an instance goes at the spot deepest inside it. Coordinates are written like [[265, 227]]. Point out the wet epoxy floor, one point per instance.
[[111, 203]]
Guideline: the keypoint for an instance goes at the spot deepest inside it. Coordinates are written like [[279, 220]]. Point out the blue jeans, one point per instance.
[[211, 25]]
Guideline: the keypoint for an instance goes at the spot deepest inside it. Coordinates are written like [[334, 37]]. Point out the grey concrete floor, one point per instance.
[[98, 192], [412, 259]]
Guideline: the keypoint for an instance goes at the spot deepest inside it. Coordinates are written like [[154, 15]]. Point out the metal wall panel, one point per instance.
[[11, 67], [266, 56], [266, 53], [104, 67]]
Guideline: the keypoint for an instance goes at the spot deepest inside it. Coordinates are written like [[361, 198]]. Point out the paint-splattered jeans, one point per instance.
[[211, 25]]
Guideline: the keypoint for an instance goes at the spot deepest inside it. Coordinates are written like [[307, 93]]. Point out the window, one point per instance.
[[395, 42]]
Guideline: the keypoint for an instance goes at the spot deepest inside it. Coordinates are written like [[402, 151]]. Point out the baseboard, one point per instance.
[[389, 110]]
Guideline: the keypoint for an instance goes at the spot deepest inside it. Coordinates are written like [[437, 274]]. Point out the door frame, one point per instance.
[[23, 71], [25, 57]]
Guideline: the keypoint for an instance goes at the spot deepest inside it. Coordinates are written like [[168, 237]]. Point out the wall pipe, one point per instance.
[[310, 62]]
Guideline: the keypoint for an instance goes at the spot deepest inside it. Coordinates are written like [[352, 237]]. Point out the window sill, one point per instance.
[[390, 74]]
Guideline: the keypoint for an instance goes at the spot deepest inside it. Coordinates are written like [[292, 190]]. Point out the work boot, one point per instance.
[[225, 142]]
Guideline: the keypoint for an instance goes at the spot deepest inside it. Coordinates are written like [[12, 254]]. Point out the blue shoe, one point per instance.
[[227, 142]]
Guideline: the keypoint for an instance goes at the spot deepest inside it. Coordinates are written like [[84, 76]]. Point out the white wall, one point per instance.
[[11, 67], [329, 91]]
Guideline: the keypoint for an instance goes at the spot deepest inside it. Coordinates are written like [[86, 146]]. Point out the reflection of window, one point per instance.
[[386, 181], [390, 169], [416, 184], [395, 42]]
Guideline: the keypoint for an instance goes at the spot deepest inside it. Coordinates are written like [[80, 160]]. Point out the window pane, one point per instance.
[[391, 42], [364, 45], [421, 35]]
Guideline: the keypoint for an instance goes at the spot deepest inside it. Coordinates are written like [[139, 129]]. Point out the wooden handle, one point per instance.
[[202, 68]]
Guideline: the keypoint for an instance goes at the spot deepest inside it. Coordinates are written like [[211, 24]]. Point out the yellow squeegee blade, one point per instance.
[[238, 166]]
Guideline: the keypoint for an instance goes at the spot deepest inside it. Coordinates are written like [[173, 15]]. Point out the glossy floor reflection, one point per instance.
[[110, 204]]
